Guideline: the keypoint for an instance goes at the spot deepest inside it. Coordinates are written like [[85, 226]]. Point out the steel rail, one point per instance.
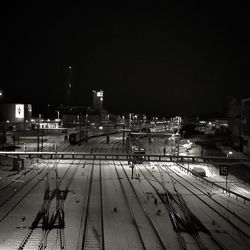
[[145, 211], [102, 219], [47, 225], [87, 210], [130, 210], [205, 193], [211, 235], [215, 210], [87, 216], [170, 209], [172, 213]]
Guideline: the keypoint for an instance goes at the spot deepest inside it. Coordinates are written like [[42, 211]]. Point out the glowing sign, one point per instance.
[[19, 111], [100, 94]]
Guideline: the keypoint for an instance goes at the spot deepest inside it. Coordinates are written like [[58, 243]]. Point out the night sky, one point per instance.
[[164, 59]]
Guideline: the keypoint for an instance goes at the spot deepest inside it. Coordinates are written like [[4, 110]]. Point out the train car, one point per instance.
[[138, 153], [76, 137]]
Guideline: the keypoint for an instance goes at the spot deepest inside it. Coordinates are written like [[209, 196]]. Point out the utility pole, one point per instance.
[[123, 134], [38, 137], [69, 85], [38, 133], [2, 137], [80, 130], [42, 141]]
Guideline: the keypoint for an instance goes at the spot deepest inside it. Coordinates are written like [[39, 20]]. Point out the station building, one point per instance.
[[245, 125], [239, 123], [16, 116]]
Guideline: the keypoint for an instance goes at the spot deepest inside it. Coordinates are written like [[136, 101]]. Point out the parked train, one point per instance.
[[138, 154], [135, 148], [77, 137]]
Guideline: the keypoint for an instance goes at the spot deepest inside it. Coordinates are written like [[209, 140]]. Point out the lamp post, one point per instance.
[[229, 154], [80, 129], [42, 140], [86, 119], [38, 134], [188, 159], [2, 137]]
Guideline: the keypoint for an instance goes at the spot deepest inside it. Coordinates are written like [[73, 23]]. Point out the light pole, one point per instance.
[[80, 129], [86, 119], [229, 154], [42, 140], [38, 134], [2, 137]]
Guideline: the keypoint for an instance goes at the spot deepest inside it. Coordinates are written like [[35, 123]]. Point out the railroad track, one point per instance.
[[147, 233], [93, 231], [232, 218], [26, 188], [18, 183], [174, 199], [50, 218], [237, 218]]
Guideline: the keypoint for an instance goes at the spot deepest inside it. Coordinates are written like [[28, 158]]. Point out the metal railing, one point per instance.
[[123, 157]]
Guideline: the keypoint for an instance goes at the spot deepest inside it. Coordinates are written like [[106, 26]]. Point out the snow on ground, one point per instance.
[[119, 230]]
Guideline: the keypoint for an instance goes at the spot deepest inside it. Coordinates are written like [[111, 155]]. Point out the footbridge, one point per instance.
[[123, 157]]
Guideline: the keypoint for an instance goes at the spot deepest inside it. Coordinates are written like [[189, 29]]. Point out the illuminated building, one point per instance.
[[16, 115], [245, 124], [239, 123], [98, 101], [234, 121]]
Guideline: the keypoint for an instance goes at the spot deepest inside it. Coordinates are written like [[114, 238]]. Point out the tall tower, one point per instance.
[[69, 85], [98, 100]]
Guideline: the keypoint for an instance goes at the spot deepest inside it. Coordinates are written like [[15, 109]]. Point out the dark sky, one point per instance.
[[162, 59]]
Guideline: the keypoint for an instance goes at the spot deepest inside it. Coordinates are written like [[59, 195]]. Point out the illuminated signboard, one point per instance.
[[19, 111], [100, 94]]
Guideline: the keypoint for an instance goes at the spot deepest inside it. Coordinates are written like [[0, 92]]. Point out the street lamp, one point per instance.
[[86, 119], [79, 120], [229, 154]]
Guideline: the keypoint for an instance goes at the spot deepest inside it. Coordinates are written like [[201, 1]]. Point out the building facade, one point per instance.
[[98, 101], [16, 115], [239, 123], [245, 125], [234, 121]]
